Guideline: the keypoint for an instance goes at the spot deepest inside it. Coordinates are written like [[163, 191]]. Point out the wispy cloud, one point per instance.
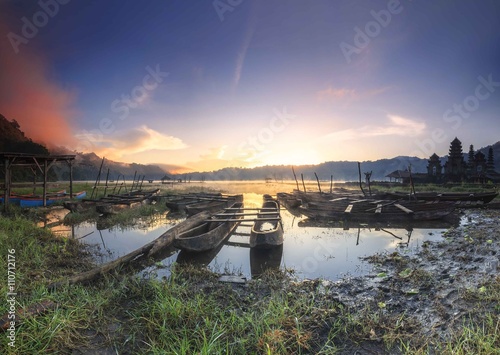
[[397, 126], [331, 93], [136, 140], [340, 94], [214, 153], [242, 53]]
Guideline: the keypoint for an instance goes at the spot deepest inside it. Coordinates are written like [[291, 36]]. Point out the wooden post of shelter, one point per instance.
[[70, 163], [44, 193], [6, 195]]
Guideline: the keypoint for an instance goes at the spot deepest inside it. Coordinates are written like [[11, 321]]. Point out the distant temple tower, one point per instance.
[[455, 168], [434, 168], [480, 166]]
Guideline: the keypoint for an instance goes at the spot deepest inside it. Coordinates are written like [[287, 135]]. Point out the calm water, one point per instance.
[[327, 250]]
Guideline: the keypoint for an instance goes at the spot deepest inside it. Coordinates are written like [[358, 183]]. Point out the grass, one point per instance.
[[191, 312]]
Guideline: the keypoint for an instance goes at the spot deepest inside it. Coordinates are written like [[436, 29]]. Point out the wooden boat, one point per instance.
[[142, 196], [179, 202], [210, 233], [370, 210], [484, 197], [288, 200], [212, 206], [116, 205], [265, 233], [28, 201], [324, 196]]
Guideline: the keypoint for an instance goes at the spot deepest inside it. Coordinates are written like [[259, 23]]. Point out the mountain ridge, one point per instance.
[[87, 165]]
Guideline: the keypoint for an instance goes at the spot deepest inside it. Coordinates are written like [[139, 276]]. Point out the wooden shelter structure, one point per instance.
[[35, 162]]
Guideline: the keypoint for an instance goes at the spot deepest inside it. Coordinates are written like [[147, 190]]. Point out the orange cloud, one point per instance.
[[29, 95]]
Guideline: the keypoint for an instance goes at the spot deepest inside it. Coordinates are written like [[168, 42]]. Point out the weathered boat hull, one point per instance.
[[26, 202], [212, 206], [373, 211], [209, 234], [267, 234], [105, 204], [484, 197]]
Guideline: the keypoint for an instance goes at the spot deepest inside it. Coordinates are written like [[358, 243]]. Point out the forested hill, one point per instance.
[[13, 140]]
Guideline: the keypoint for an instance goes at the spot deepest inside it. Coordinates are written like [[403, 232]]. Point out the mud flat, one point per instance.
[[440, 288]]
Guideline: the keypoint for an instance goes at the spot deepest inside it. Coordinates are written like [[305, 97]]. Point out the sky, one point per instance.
[[201, 85]]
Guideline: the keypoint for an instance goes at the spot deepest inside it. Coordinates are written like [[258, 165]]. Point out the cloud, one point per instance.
[[397, 126], [137, 140], [214, 153], [30, 95], [332, 93], [337, 94]]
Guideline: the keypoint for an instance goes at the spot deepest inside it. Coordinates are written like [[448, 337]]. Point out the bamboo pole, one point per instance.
[[244, 220], [331, 183], [245, 214], [317, 179], [295, 177], [97, 181], [303, 185], [360, 184]]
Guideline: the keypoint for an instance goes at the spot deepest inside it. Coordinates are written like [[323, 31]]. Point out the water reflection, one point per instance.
[[313, 249], [262, 260]]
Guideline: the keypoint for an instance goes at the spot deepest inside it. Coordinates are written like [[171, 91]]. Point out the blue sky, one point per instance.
[[207, 84]]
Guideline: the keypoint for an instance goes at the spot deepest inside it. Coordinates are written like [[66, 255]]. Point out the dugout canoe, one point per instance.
[[210, 233], [28, 201], [217, 204], [484, 197], [267, 234], [373, 210]]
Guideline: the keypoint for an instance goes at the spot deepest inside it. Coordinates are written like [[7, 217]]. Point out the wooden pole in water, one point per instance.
[[360, 184], [133, 181], [97, 180], [304, 185], [106, 185], [295, 177], [317, 179], [331, 183]]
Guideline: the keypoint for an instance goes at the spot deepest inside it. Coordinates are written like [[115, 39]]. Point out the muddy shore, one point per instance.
[[436, 287]]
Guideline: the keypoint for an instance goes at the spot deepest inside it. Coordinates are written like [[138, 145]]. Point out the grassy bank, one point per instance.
[[192, 312]]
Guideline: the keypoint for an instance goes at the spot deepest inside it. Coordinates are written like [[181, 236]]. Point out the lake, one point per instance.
[[311, 249]]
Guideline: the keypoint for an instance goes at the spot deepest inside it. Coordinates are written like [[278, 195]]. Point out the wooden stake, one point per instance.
[[304, 185], [317, 179], [360, 184], [295, 177]]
